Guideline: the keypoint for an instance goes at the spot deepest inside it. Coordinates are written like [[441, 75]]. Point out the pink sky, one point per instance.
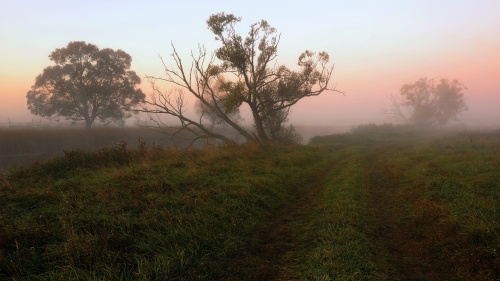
[[377, 47]]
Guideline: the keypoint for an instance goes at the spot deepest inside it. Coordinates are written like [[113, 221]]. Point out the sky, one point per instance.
[[377, 46]]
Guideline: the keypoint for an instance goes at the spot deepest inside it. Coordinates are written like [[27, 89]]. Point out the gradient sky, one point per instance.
[[377, 46]]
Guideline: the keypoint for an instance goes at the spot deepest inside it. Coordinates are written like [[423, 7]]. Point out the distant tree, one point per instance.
[[426, 103], [86, 84], [241, 72]]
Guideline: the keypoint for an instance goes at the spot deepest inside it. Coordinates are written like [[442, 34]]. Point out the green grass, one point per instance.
[[373, 134], [456, 185], [163, 215], [336, 243], [433, 198], [170, 214], [25, 145]]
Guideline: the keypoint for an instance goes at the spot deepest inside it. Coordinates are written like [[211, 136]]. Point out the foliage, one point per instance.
[[431, 104], [242, 72], [226, 104], [86, 83]]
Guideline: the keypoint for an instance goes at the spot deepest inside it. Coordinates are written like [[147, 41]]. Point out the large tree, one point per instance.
[[427, 103], [86, 83], [242, 72]]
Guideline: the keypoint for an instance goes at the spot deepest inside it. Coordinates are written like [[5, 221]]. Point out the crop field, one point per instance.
[[360, 206]]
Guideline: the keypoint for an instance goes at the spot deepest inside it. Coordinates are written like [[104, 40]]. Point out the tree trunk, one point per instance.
[[88, 123], [261, 133]]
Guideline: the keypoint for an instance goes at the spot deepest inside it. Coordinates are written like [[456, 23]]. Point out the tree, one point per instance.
[[86, 84], [242, 72], [426, 103], [207, 113]]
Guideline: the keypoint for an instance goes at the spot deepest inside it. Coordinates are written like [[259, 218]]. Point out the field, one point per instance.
[[370, 205], [23, 145]]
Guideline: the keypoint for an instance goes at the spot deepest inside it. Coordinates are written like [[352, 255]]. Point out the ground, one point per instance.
[[413, 238]]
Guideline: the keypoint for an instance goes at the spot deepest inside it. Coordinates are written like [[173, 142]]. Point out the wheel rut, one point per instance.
[[267, 255], [402, 253], [406, 244]]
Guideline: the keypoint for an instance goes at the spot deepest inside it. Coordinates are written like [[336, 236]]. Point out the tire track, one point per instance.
[[267, 255], [405, 243]]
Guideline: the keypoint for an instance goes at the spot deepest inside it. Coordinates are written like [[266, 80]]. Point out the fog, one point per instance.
[[376, 47]]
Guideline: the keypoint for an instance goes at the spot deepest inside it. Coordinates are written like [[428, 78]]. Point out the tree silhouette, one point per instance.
[[86, 84], [429, 104], [242, 72]]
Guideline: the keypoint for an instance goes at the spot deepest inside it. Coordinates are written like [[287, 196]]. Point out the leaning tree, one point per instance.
[[242, 72], [86, 83], [427, 103]]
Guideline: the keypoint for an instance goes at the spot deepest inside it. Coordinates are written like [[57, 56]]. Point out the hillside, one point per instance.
[[381, 209]]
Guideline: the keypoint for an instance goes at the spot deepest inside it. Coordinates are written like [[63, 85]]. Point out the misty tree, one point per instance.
[[243, 71], [427, 103], [86, 83]]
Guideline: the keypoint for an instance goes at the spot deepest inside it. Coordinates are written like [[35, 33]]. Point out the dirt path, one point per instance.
[[407, 243], [265, 257], [406, 247]]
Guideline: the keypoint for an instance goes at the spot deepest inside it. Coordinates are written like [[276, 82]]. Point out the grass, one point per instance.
[[456, 185], [336, 244], [163, 215], [372, 134], [405, 208], [384, 207], [25, 145]]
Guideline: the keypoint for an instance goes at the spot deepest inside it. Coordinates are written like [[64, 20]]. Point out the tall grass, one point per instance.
[[155, 214]]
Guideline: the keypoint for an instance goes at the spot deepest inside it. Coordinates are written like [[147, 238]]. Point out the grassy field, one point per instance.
[[347, 207], [25, 145]]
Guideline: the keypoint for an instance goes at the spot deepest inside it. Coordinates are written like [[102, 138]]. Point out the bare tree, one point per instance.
[[426, 103], [395, 108], [243, 71]]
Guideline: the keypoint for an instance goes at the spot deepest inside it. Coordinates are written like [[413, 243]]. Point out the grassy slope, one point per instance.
[[173, 214], [156, 215]]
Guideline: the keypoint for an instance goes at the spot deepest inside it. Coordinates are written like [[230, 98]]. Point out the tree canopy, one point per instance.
[[427, 103], [243, 71], [86, 83]]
